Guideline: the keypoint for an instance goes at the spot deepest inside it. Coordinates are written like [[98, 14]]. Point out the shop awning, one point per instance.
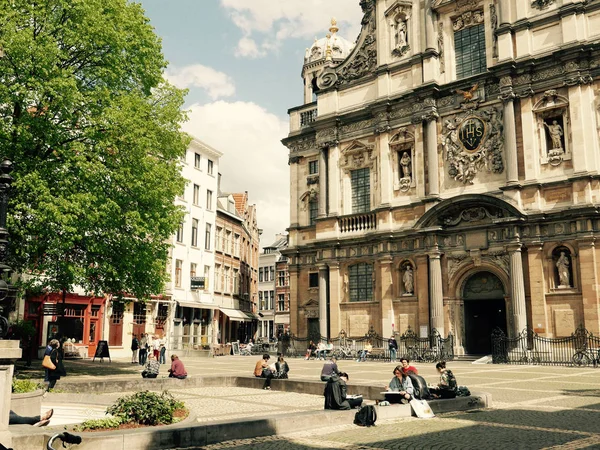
[[197, 305], [235, 314]]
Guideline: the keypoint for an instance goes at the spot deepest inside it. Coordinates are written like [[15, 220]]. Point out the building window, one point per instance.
[[260, 274], [207, 237], [218, 239], [236, 245], [361, 282], [178, 267], [227, 281], [313, 280], [281, 302], [193, 269], [261, 305], [197, 160], [139, 313], [236, 282], [313, 209], [228, 242], [179, 236], [281, 278], [196, 197], [210, 167], [209, 200], [313, 167], [271, 299], [272, 271], [361, 190], [194, 232], [469, 46]]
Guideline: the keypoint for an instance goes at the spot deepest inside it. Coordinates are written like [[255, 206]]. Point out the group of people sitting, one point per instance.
[[152, 368], [408, 384], [319, 351], [269, 371]]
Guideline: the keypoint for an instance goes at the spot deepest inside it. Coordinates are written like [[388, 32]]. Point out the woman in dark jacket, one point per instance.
[[56, 356], [282, 368]]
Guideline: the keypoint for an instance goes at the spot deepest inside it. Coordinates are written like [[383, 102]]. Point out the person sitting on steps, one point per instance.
[[402, 384], [262, 370], [447, 386], [36, 421], [152, 367], [177, 369]]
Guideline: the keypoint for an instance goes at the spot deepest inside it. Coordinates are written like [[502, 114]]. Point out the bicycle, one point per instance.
[[66, 438], [586, 357], [424, 355], [345, 352]]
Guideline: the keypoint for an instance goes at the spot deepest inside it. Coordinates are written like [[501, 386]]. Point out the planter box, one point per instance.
[[28, 404]]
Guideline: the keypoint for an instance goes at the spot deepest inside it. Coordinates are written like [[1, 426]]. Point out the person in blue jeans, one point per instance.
[[364, 352], [393, 347], [162, 353], [47, 352]]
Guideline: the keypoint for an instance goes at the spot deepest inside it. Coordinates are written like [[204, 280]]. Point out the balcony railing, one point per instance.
[[308, 117], [358, 222]]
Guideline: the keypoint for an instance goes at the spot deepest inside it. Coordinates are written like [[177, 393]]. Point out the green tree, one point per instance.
[[94, 132]]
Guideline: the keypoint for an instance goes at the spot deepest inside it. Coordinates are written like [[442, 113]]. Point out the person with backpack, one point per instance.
[[402, 384], [336, 393], [393, 348], [447, 386]]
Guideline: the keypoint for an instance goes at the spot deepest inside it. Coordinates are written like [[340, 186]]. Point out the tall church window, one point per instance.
[[361, 282], [313, 207], [469, 47], [361, 190]]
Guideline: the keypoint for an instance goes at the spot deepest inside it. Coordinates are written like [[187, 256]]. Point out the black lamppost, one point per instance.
[[6, 167]]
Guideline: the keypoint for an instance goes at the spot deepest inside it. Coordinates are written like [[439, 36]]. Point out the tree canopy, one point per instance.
[[93, 130]]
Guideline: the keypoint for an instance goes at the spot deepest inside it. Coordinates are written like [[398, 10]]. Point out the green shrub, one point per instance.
[[99, 424], [24, 386], [146, 408]]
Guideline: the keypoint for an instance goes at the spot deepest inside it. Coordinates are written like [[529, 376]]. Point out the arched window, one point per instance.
[[361, 282]]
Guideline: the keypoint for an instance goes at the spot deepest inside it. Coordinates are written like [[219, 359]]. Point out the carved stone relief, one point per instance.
[[328, 136], [358, 156], [494, 25], [399, 16], [301, 145], [357, 126], [473, 142], [541, 4], [466, 19], [440, 39], [471, 215]]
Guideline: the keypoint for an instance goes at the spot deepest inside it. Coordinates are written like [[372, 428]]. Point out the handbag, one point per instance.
[[47, 363]]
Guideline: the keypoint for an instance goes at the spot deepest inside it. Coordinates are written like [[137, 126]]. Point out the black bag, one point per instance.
[[463, 391], [365, 416], [420, 386]]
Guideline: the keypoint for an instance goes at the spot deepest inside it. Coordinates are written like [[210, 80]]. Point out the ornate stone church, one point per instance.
[[445, 172]]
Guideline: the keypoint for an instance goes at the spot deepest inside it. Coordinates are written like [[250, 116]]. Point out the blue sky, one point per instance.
[[241, 61]]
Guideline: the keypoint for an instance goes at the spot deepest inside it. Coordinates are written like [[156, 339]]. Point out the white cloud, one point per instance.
[[253, 160], [216, 84], [247, 48], [274, 21]]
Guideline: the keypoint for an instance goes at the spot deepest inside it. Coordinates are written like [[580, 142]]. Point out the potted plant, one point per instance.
[[26, 398]]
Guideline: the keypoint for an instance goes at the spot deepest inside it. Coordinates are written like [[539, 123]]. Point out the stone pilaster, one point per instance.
[[436, 295], [323, 300], [430, 34], [334, 180], [294, 306], [294, 191], [539, 313], [386, 274], [517, 289], [588, 262], [387, 182], [432, 155], [323, 183], [422, 292], [335, 297]]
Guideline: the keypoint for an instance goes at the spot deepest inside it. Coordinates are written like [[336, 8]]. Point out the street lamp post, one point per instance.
[[6, 167]]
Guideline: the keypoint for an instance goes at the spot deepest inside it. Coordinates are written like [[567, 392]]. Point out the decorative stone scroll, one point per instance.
[[357, 156], [467, 19], [473, 142], [474, 214]]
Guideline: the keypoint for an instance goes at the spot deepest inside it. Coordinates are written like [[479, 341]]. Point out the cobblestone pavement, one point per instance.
[[533, 408]]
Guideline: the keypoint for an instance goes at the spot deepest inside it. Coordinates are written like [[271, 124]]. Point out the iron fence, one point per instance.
[[422, 349], [582, 348]]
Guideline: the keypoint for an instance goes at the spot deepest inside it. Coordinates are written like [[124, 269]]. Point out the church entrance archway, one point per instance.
[[485, 309]]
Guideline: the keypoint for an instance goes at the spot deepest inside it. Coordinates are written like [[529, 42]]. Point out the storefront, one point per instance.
[[77, 318]]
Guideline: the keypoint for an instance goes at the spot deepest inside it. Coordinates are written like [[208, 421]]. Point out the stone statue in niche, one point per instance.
[[556, 133], [401, 44], [408, 280], [406, 169], [562, 265]]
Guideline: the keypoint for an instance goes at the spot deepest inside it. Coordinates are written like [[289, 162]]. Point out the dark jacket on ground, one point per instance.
[[335, 394]]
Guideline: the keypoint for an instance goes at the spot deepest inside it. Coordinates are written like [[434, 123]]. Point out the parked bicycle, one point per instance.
[[345, 352], [66, 438], [586, 357], [420, 354]]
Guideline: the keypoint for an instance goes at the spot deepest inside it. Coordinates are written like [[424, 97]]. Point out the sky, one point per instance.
[[241, 61]]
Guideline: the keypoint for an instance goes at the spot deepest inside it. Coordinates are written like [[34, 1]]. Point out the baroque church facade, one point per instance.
[[445, 173]]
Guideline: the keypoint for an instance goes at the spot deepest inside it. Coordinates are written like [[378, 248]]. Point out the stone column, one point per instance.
[[422, 293], [436, 295], [322, 183], [323, 300], [510, 140], [430, 34], [504, 12], [294, 294], [294, 192], [517, 289], [432, 155]]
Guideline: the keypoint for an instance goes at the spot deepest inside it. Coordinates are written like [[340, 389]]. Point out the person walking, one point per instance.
[[162, 354], [156, 347], [143, 349], [135, 346], [56, 356], [393, 347]]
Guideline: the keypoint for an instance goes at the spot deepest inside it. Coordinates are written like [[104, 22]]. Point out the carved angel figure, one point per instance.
[[468, 95]]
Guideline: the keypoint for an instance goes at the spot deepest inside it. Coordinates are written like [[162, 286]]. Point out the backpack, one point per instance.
[[463, 391], [365, 416], [421, 391], [452, 385]]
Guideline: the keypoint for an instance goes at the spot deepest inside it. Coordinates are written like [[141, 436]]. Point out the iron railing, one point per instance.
[[582, 348], [422, 349]]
